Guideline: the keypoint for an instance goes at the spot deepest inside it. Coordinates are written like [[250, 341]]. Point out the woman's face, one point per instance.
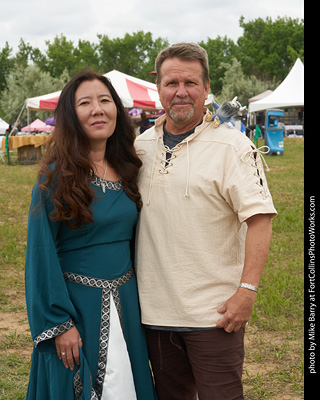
[[96, 110]]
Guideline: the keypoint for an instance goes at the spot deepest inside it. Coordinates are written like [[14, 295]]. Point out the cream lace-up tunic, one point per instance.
[[191, 231]]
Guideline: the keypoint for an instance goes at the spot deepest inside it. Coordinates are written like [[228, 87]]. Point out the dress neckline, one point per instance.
[[105, 184]]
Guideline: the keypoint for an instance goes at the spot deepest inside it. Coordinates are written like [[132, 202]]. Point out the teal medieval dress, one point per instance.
[[84, 277]]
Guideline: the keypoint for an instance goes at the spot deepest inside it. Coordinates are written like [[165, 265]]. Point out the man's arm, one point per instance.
[[237, 309]]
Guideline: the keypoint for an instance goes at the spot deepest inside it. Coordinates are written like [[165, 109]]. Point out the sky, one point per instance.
[[36, 21]]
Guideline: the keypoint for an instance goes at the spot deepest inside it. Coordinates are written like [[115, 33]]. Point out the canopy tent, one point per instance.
[[133, 92], [44, 102], [290, 93], [3, 126], [37, 126], [260, 96]]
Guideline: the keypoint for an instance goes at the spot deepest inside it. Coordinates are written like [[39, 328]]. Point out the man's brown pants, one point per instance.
[[207, 363]]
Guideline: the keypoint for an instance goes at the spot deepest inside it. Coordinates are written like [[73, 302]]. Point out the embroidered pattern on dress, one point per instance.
[[109, 288], [78, 387], [53, 332]]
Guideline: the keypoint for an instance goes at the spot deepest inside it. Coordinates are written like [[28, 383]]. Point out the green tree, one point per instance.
[[236, 83], [133, 54], [152, 51], [5, 65], [86, 55], [60, 56], [220, 51], [27, 55], [22, 84], [269, 49], [23, 56], [39, 59]]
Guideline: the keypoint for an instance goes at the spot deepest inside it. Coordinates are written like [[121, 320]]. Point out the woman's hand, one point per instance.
[[67, 345]]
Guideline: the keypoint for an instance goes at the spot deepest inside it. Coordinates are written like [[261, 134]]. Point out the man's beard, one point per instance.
[[176, 117]]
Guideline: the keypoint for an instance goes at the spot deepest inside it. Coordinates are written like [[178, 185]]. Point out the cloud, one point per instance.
[[187, 20]]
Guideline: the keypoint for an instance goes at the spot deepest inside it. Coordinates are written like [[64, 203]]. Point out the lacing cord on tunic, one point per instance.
[[165, 159], [166, 162], [253, 152], [256, 154], [152, 172]]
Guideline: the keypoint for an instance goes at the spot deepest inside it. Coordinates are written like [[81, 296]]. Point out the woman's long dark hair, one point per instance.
[[65, 165]]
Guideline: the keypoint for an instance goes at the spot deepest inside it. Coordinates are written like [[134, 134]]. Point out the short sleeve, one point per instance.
[[245, 187]]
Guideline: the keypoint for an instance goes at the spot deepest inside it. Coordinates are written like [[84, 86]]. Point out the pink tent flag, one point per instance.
[[37, 126]]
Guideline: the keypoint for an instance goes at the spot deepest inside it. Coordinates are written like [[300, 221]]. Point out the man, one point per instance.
[[204, 229], [144, 123]]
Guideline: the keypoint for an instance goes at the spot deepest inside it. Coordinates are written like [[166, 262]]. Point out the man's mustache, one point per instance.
[[182, 101]]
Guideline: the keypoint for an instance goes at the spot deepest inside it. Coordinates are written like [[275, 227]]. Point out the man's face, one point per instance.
[[182, 93]]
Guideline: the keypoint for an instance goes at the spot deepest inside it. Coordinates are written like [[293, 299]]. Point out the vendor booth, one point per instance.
[[289, 94], [29, 145]]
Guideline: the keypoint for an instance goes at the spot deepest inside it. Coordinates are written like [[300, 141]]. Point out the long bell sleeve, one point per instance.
[[50, 311]]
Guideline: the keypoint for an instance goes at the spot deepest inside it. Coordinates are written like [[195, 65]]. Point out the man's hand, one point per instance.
[[67, 345], [237, 310]]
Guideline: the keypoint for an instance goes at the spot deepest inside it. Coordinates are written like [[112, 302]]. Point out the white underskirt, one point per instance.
[[118, 381]]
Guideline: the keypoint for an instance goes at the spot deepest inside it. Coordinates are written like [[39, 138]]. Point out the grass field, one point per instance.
[[273, 366]]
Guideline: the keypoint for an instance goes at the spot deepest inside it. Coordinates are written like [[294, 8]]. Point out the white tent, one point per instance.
[[3, 126], [44, 102], [290, 93], [133, 92], [260, 96]]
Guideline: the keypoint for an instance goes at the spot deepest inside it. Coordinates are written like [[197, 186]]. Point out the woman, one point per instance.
[[80, 285]]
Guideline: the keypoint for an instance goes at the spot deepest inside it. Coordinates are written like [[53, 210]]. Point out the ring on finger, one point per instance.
[[63, 353]]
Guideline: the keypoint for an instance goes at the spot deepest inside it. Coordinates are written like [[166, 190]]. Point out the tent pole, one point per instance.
[[17, 120]]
